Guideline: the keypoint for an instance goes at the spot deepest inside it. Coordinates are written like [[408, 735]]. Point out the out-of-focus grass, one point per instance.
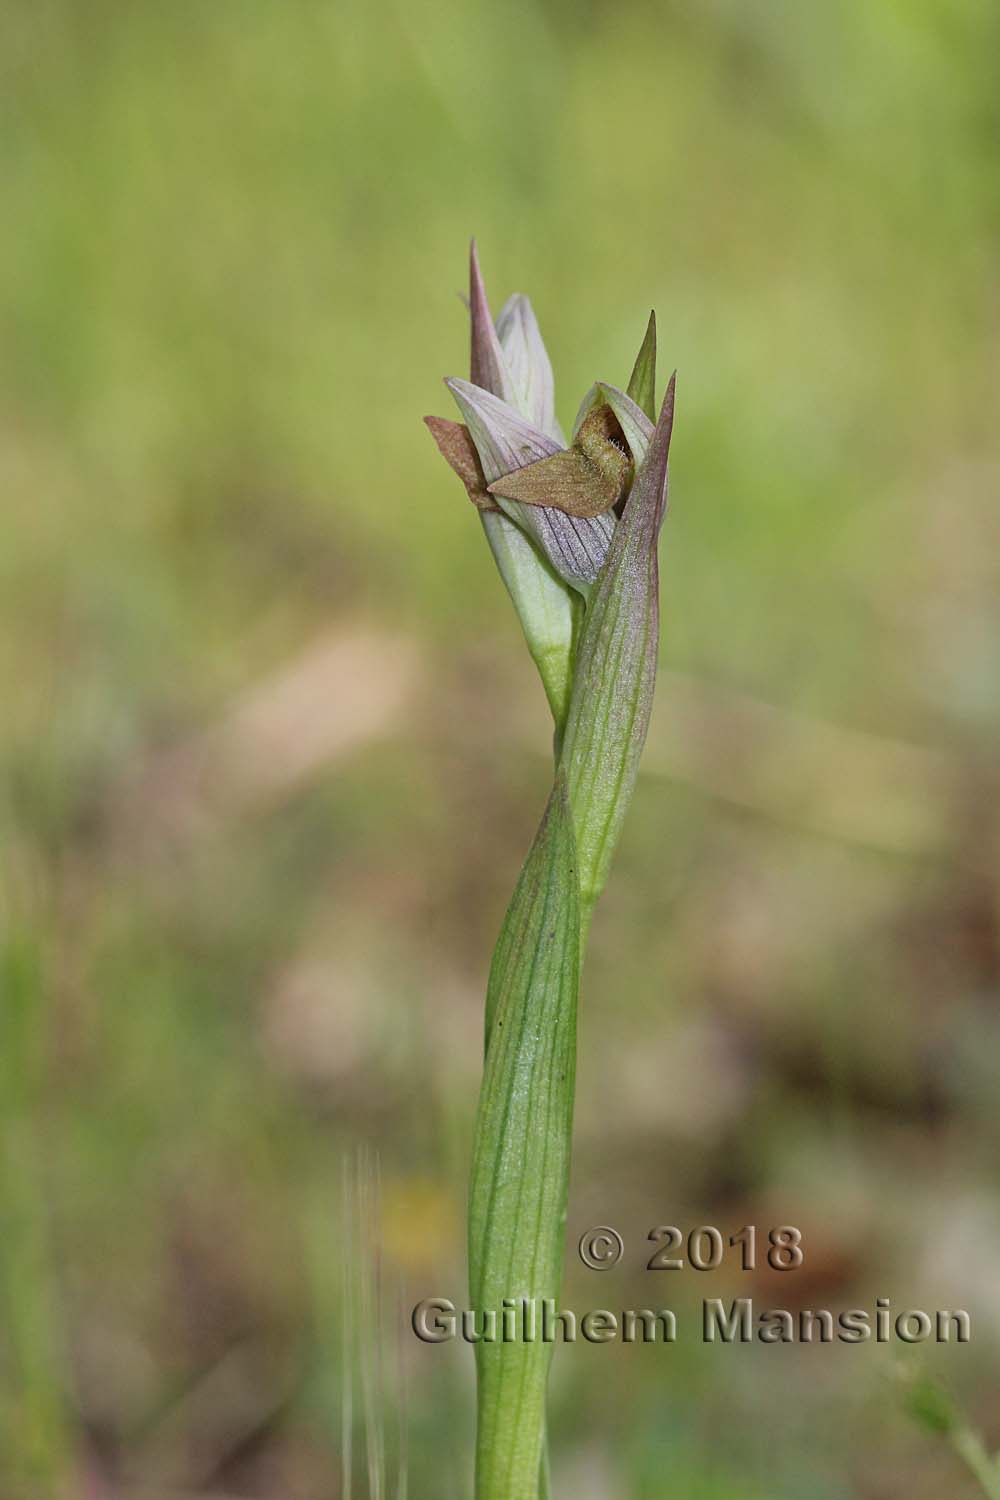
[[228, 281]]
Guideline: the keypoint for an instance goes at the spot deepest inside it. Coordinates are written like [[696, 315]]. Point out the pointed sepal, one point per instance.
[[487, 363], [642, 382], [528, 364]]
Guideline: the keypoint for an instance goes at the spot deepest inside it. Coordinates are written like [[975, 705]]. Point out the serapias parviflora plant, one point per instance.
[[573, 528]]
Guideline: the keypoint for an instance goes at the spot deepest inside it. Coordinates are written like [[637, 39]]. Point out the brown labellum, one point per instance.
[[585, 480], [459, 452]]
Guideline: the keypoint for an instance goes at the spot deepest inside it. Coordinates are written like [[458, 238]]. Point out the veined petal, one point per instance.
[[615, 671], [504, 438], [529, 365], [575, 546]]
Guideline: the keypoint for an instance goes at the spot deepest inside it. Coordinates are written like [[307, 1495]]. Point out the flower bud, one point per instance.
[[509, 362]]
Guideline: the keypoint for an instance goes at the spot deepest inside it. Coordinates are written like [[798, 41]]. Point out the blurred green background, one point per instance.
[[272, 748]]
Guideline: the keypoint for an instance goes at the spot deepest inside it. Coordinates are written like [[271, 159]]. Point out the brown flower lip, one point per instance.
[[584, 480]]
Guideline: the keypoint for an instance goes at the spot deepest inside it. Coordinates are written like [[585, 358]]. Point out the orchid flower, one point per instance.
[[574, 529]]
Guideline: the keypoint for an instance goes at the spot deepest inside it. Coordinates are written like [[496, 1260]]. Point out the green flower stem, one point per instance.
[[520, 1172], [521, 1154]]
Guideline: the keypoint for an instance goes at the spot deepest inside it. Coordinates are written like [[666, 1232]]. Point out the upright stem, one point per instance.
[[521, 1152]]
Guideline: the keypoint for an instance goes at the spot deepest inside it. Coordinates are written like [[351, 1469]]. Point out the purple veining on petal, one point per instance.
[[504, 438], [575, 546], [529, 364]]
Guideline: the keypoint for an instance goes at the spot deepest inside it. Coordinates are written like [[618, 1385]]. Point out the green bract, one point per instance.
[[574, 531], [612, 693]]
